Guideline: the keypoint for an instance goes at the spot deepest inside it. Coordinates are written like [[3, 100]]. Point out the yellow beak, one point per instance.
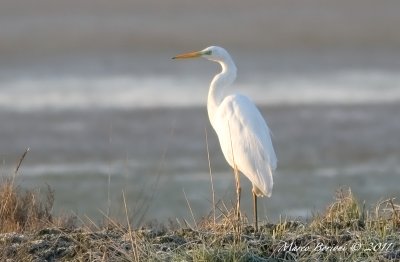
[[188, 55]]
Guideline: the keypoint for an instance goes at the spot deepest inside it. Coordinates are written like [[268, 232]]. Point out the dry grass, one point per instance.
[[346, 231], [23, 210], [26, 210]]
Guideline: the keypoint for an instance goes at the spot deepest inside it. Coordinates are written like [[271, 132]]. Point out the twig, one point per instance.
[[395, 215], [190, 208], [133, 243], [20, 161], [211, 177]]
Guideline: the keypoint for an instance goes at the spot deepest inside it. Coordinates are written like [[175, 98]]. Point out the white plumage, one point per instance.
[[242, 132], [245, 141]]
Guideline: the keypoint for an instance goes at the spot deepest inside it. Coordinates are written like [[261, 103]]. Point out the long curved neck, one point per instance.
[[220, 81]]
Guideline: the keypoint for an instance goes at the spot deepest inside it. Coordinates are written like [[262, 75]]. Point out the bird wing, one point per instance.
[[246, 142]]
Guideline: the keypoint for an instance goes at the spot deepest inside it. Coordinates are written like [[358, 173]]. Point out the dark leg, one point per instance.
[[238, 192], [255, 211]]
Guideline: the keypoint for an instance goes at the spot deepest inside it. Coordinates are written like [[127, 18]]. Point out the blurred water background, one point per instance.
[[89, 86]]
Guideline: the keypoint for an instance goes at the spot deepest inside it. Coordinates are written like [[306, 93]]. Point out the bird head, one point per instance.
[[213, 53]]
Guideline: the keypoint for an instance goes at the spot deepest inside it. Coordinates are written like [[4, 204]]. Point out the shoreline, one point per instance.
[[346, 230]]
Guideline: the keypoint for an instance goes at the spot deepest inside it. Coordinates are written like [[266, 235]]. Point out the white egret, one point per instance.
[[242, 132]]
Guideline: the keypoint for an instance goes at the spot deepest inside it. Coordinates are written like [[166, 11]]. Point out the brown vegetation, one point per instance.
[[346, 231]]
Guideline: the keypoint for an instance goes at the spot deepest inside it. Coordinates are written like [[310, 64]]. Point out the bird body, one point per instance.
[[243, 134], [245, 141]]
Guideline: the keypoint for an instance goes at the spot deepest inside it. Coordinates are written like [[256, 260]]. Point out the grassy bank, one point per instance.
[[345, 231]]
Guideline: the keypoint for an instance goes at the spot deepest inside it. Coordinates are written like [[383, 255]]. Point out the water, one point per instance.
[[92, 91]]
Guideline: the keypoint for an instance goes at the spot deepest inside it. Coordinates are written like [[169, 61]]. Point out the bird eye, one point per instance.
[[209, 52]]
